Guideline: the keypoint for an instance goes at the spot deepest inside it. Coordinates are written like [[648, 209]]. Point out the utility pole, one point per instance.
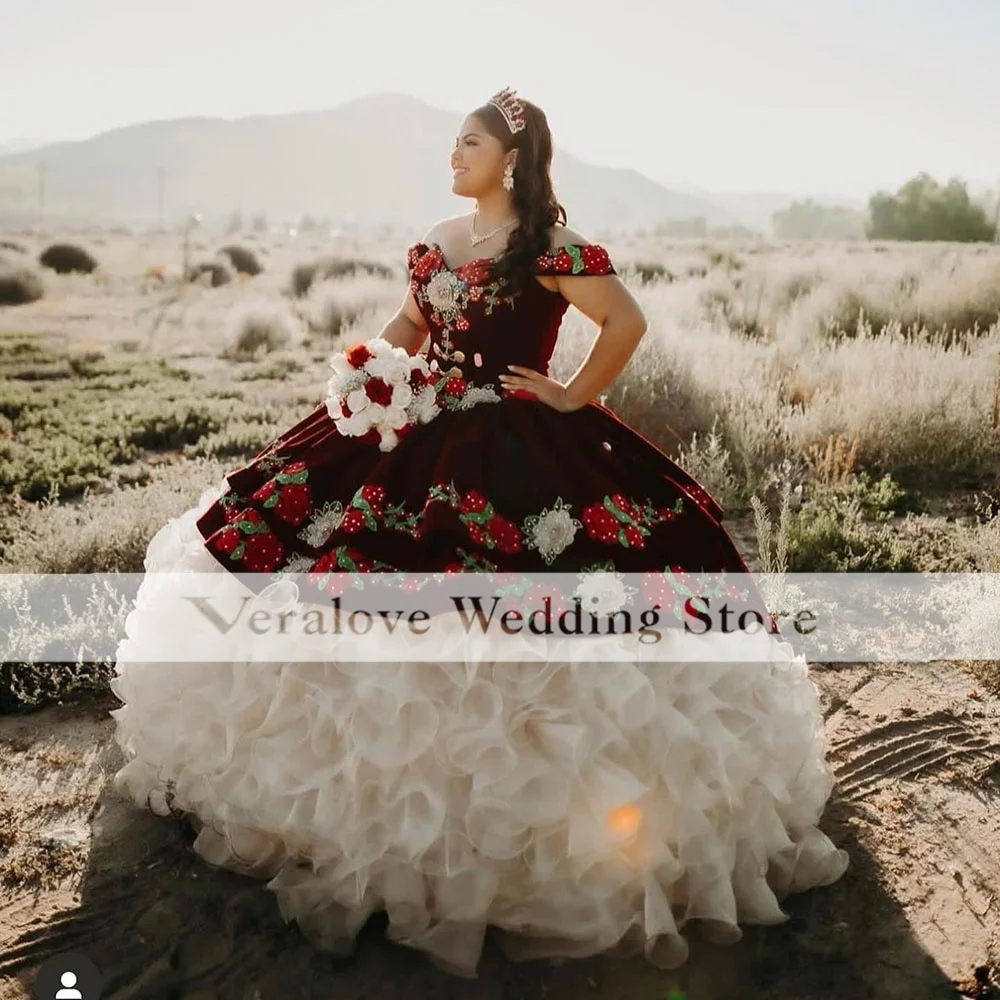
[[996, 217], [41, 194], [160, 184]]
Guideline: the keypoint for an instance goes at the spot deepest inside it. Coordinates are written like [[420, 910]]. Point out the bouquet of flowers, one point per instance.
[[380, 392]]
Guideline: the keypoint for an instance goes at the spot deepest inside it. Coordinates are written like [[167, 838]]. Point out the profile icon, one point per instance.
[[69, 975], [69, 990]]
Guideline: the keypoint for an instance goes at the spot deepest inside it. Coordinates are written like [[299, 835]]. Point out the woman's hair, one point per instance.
[[534, 200]]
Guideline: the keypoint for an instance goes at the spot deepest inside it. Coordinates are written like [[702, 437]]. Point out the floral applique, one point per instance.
[[673, 585], [457, 393], [323, 523], [448, 292], [364, 510], [467, 562], [619, 520], [576, 259], [271, 460], [486, 526], [551, 531], [248, 539], [337, 570], [287, 493], [232, 504]]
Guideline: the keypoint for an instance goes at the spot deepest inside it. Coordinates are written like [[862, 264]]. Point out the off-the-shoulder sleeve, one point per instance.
[[413, 253], [575, 258]]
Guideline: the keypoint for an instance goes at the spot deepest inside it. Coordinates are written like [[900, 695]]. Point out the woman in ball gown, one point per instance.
[[575, 809]]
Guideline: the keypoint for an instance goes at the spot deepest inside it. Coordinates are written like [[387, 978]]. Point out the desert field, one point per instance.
[[841, 400]]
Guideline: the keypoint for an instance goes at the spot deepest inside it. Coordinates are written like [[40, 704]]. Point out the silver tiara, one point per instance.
[[506, 102]]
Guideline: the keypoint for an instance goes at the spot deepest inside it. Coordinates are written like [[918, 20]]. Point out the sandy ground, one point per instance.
[[915, 747]]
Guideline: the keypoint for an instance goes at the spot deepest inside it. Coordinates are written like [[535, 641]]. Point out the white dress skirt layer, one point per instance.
[[580, 807]]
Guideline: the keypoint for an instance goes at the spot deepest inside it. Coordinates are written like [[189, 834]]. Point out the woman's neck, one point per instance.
[[493, 210]]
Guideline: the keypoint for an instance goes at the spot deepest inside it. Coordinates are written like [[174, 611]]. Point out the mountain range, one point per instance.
[[377, 160]]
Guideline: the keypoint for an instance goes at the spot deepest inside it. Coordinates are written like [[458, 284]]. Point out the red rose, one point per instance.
[[233, 511], [656, 590], [358, 355], [326, 562], [352, 521], [633, 537], [378, 391], [265, 491], [600, 522], [472, 502], [625, 505], [360, 560], [226, 539], [373, 494], [263, 552], [293, 503], [504, 533], [455, 386]]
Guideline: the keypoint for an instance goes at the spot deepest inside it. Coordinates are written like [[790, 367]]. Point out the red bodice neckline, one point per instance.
[[570, 258]]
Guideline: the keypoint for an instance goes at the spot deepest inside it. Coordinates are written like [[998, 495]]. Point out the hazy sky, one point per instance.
[[804, 96]]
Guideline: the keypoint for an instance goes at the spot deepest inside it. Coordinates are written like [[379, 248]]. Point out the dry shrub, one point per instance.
[[209, 272], [242, 259], [834, 463], [67, 258], [108, 532], [306, 273], [19, 284], [260, 328]]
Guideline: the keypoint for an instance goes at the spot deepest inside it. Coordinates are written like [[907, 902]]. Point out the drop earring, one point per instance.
[[508, 177]]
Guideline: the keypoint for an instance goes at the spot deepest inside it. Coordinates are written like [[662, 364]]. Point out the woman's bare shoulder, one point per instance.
[[561, 236], [446, 227]]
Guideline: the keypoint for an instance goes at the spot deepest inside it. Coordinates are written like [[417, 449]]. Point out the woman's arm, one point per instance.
[[408, 328], [605, 300]]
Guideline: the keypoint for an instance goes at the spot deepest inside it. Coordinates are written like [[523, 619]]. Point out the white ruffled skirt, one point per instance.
[[578, 807]]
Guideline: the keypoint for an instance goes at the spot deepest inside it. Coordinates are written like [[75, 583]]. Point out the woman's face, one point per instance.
[[477, 159]]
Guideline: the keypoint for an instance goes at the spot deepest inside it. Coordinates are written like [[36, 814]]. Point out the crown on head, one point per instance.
[[506, 102]]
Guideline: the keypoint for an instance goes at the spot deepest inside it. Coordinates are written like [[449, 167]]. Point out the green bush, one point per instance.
[[846, 528]]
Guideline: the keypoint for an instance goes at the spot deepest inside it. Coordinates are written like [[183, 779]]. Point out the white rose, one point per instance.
[[395, 417], [358, 401], [389, 441], [353, 426], [391, 368], [424, 405], [340, 364], [401, 394]]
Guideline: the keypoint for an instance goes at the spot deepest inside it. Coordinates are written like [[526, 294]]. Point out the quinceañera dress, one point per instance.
[[576, 808]]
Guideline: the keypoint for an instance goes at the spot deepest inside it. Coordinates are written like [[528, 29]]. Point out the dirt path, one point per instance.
[[916, 749]]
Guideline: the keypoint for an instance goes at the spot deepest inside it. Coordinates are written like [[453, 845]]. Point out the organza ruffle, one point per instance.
[[579, 807]]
